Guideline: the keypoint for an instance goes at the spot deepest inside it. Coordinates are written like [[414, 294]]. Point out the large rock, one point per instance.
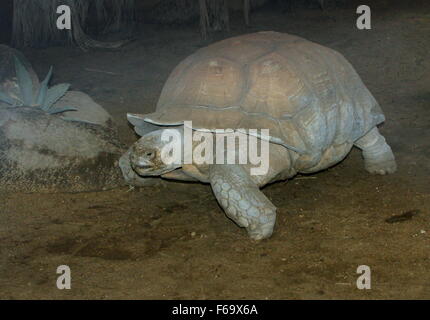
[[42, 152]]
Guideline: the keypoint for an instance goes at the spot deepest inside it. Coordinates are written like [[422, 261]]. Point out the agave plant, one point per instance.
[[44, 99]]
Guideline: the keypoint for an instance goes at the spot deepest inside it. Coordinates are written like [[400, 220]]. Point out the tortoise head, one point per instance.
[[157, 152]]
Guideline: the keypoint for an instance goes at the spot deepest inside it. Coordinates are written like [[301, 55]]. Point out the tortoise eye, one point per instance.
[[150, 155]]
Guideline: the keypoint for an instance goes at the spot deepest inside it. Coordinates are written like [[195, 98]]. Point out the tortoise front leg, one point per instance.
[[242, 200]]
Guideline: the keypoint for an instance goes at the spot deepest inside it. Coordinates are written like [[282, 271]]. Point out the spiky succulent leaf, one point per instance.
[[53, 94], [60, 110], [44, 88], [5, 98], [24, 82]]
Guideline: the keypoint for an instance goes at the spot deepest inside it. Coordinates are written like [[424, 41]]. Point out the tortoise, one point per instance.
[[310, 98]]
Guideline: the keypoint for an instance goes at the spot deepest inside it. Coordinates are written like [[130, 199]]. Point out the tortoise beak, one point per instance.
[[140, 163], [142, 166]]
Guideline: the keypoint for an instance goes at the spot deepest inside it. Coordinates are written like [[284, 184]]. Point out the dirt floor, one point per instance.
[[174, 242]]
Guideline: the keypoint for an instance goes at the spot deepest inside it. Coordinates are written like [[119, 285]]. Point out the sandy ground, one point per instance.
[[174, 242]]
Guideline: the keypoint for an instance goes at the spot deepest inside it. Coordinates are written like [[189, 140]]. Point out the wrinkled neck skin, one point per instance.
[[149, 157]]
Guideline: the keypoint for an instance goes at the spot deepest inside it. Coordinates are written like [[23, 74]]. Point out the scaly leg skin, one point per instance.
[[242, 200], [377, 154], [131, 177]]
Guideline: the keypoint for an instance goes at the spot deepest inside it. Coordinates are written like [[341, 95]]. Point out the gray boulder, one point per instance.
[[52, 139]]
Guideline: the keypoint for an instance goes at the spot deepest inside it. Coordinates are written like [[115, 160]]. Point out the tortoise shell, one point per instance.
[[307, 95]]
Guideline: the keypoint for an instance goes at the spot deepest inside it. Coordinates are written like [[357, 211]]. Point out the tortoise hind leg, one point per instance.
[[242, 200], [377, 154]]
